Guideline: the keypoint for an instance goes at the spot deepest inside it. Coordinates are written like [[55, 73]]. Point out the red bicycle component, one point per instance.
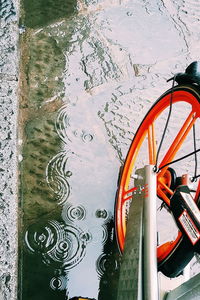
[[147, 137]]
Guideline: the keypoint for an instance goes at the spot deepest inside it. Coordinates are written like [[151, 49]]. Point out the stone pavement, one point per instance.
[[9, 73]]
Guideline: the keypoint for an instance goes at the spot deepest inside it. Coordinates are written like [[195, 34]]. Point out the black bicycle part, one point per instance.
[[191, 75], [187, 215], [174, 264]]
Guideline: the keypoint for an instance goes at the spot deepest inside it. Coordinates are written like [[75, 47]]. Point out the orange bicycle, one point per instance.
[[167, 138]]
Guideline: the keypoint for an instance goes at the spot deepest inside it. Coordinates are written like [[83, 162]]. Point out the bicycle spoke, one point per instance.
[[178, 141], [164, 196], [165, 186], [152, 144]]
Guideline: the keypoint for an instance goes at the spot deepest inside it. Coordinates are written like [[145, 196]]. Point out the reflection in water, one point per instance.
[[82, 211], [42, 12], [57, 176], [108, 82], [105, 262], [59, 245], [108, 266]]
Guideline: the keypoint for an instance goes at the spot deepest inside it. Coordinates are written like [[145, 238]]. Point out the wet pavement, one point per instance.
[[89, 71]]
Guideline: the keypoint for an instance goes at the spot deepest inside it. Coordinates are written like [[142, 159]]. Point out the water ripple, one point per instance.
[[106, 263], [57, 176], [103, 214], [73, 213], [87, 137], [58, 283], [41, 240], [66, 127], [62, 123], [58, 243], [99, 234]]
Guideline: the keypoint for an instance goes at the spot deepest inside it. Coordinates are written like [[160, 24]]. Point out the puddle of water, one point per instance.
[[68, 182], [86, 87]]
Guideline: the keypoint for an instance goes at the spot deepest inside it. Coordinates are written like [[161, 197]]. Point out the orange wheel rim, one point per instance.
[[147, 128]]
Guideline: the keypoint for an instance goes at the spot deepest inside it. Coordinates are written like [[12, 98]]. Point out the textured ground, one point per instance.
[[8, 144]]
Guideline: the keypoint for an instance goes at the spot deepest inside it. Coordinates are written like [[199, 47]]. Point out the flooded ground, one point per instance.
[[89, 72]]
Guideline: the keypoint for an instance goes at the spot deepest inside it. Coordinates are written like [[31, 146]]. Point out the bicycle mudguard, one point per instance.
[[187, 217], [174, 264]]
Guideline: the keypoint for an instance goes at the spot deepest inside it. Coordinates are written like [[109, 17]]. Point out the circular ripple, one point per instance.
[[58, 283], [106, 264], [99, 234], [65, 128], [40, 238], [86, 237], [102, 213], [87, 137], [58, 243], [62, 124], [105, 234], [57, 176], [73, 213]]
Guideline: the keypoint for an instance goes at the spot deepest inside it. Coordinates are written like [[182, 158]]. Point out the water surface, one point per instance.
[[90, 71]]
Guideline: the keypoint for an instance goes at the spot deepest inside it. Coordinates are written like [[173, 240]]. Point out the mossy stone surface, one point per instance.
[[43, 12]]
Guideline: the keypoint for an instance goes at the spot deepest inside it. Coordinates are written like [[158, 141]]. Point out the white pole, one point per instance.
[[150, 236]]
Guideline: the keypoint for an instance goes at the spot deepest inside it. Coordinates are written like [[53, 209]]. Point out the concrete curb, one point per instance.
[[9, 33]]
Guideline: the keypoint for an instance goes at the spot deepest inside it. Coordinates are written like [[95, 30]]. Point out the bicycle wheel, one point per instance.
[[177, 142]]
